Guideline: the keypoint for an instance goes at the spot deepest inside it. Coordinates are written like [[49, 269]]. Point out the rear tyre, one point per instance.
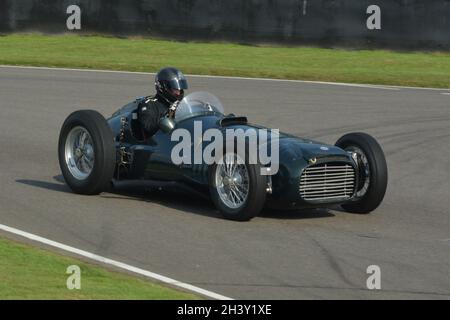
[[86, 152], [372, 171], [237, 188]]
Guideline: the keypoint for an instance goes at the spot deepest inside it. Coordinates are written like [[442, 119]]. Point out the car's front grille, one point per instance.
[[327, 182]]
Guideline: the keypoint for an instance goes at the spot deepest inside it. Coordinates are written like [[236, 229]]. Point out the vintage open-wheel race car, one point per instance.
[[96, 154]]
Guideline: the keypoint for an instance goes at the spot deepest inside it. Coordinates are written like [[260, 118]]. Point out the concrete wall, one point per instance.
[[404, 23]]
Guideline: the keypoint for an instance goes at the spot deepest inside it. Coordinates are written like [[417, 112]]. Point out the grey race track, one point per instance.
[[298, 255]]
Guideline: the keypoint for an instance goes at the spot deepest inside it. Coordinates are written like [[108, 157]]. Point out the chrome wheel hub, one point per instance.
[[79, 153]]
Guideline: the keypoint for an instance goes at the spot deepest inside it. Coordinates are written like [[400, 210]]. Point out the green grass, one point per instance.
[[32, 273], [305, 63]]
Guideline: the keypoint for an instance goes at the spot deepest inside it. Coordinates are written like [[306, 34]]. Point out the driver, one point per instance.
[[170, 84]]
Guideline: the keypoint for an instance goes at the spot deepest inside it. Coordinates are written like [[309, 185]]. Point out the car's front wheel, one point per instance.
[[372, 171], [86, 152], [237, 188]]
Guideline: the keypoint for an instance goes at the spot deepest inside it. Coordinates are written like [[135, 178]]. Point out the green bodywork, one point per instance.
[[151, 158]]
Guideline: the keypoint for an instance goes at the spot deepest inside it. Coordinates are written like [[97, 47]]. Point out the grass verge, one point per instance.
[[305, 63], [32, 273]]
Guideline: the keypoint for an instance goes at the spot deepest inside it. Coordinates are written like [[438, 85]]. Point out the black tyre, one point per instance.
[[86, 151], [373, 172], [240, 191]]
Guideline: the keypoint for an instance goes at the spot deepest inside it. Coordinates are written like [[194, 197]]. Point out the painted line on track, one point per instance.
[[362, 85], [117, 264]]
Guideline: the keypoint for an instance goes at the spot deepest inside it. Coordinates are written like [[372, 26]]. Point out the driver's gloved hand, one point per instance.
[[173, 107]]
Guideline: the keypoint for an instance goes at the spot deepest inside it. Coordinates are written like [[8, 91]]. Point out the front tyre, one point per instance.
[[372, 171], [86, 152], [237, 188]]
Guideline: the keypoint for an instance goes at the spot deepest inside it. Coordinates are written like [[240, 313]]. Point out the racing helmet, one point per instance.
[[170, 84]]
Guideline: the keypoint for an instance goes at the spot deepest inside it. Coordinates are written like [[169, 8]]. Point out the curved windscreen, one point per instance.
[[198, 103]]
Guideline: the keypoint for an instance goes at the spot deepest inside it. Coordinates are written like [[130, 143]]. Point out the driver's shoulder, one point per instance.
[[151, 99], [145, 102], [146, 99]]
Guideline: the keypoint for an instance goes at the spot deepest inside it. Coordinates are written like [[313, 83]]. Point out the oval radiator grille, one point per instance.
[[329, 181]]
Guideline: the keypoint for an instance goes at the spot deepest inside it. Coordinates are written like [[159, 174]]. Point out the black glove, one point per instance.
[[172, 109]]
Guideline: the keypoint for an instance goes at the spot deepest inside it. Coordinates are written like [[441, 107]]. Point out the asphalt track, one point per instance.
[[310, 254]]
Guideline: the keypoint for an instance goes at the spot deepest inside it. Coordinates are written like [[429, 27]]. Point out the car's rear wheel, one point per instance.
[[372, 171], [237, 188], [86, 152]]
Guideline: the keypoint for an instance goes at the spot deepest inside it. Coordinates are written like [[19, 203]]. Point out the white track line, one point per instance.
[[114, 263], [370, 86], [446, 93]]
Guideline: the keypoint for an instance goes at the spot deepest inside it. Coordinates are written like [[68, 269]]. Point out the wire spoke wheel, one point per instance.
[[232, 181]]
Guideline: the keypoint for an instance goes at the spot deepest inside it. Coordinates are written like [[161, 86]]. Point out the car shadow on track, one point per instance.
[[298, 214], [45, 185], [202, 206], [181, 201]]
